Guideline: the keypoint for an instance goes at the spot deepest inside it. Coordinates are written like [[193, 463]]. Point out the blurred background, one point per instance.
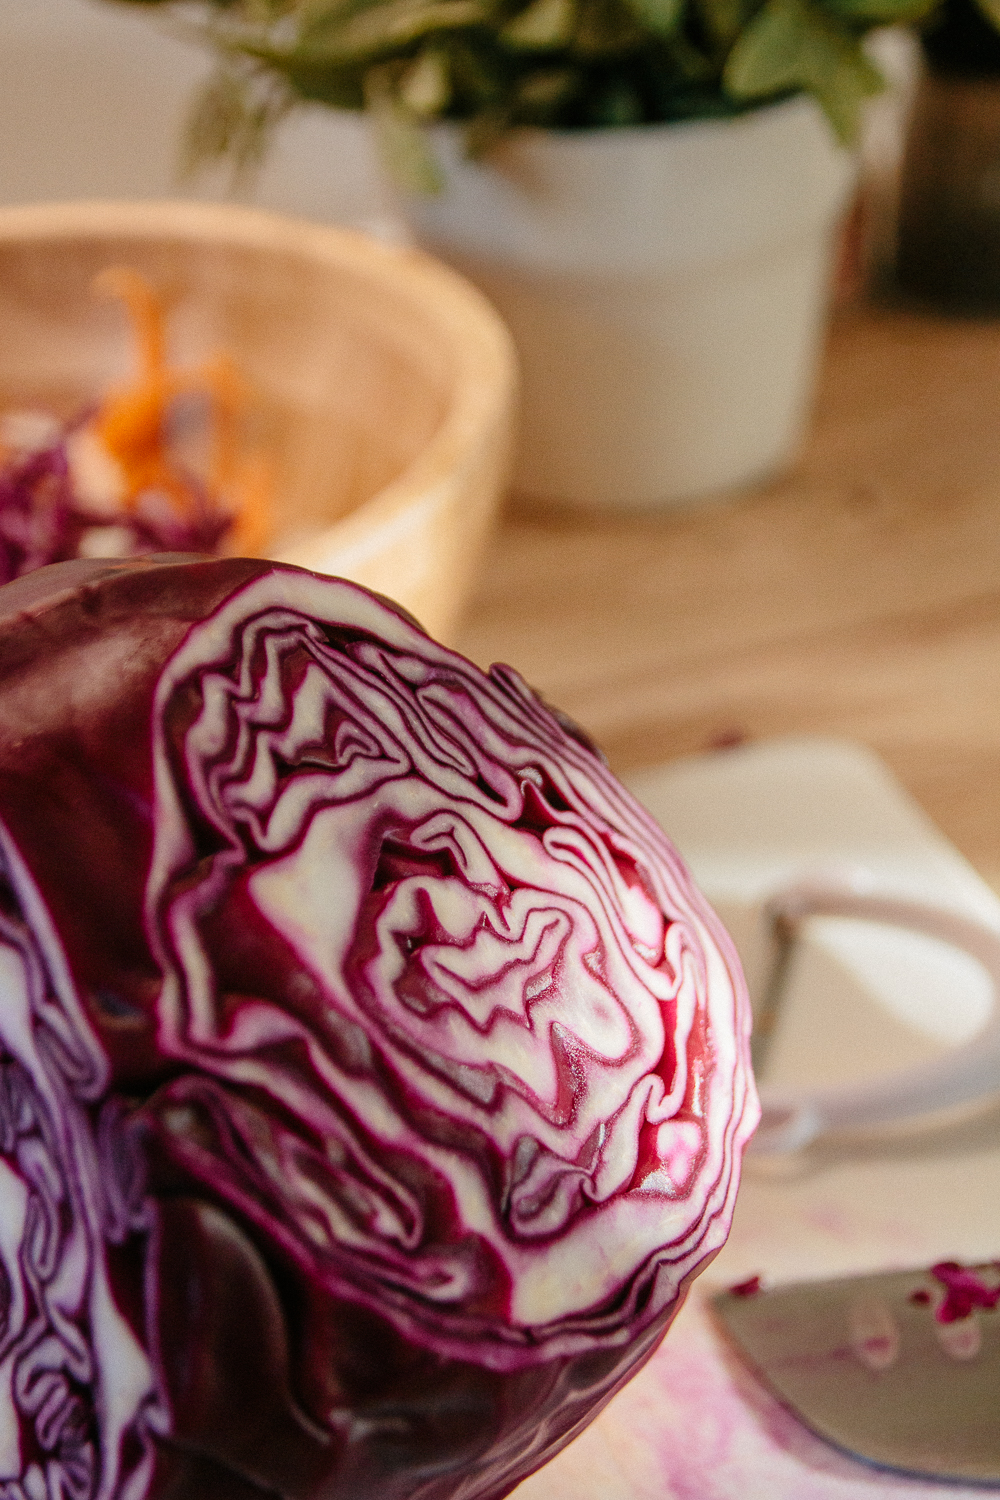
[[742, 523], [94, 102]]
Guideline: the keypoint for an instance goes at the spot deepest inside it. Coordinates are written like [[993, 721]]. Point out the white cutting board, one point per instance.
[[693, 1426]]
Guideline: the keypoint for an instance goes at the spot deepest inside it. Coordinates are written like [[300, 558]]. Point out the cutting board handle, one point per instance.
[[793, 1118]]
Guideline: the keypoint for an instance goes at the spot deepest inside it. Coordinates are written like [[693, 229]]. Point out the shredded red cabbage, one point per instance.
[[965, 1290], [749, 1288], [44, 520], [373, 1080]]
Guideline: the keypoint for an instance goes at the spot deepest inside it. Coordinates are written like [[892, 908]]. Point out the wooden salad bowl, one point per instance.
[[383, 384]]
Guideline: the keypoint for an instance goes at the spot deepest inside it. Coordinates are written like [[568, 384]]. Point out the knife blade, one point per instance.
[[898, 1368]]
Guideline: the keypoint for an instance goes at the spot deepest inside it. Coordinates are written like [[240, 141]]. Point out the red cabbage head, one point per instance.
[[373, 1080]]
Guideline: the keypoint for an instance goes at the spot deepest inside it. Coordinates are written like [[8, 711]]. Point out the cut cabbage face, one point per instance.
[[373, 1080]]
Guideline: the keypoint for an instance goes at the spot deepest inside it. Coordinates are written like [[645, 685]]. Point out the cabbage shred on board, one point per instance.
[[373, 1080]]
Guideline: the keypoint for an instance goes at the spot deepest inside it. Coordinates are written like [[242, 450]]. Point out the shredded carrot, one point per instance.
[[132, 422], [252, 524]]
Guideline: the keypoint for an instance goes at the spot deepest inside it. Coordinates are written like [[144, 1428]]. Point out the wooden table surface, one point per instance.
[[858, 596]]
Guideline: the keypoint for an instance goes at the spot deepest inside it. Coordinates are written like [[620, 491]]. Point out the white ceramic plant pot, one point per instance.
[[666, 286]]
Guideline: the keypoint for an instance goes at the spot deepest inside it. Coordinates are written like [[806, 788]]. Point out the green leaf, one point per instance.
[[692, 65], [400, 138], [425, 87], [724, 19], [617, 103], [384, 30], [541, 92], [318, 20], [317, 16], [317, 79], [663, 17], [792, 45], [233, 115], [869, 13], [480, 75], [607, 29], [259, 12], [991, 10], [543, 25], [216, 121]]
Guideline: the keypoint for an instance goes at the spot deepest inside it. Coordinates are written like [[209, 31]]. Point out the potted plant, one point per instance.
[[648, 189]]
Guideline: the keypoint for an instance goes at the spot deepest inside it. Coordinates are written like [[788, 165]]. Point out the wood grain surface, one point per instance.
[[857, 596]]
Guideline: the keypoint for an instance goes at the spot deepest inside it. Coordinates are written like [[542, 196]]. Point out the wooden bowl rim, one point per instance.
[[479, 344]]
